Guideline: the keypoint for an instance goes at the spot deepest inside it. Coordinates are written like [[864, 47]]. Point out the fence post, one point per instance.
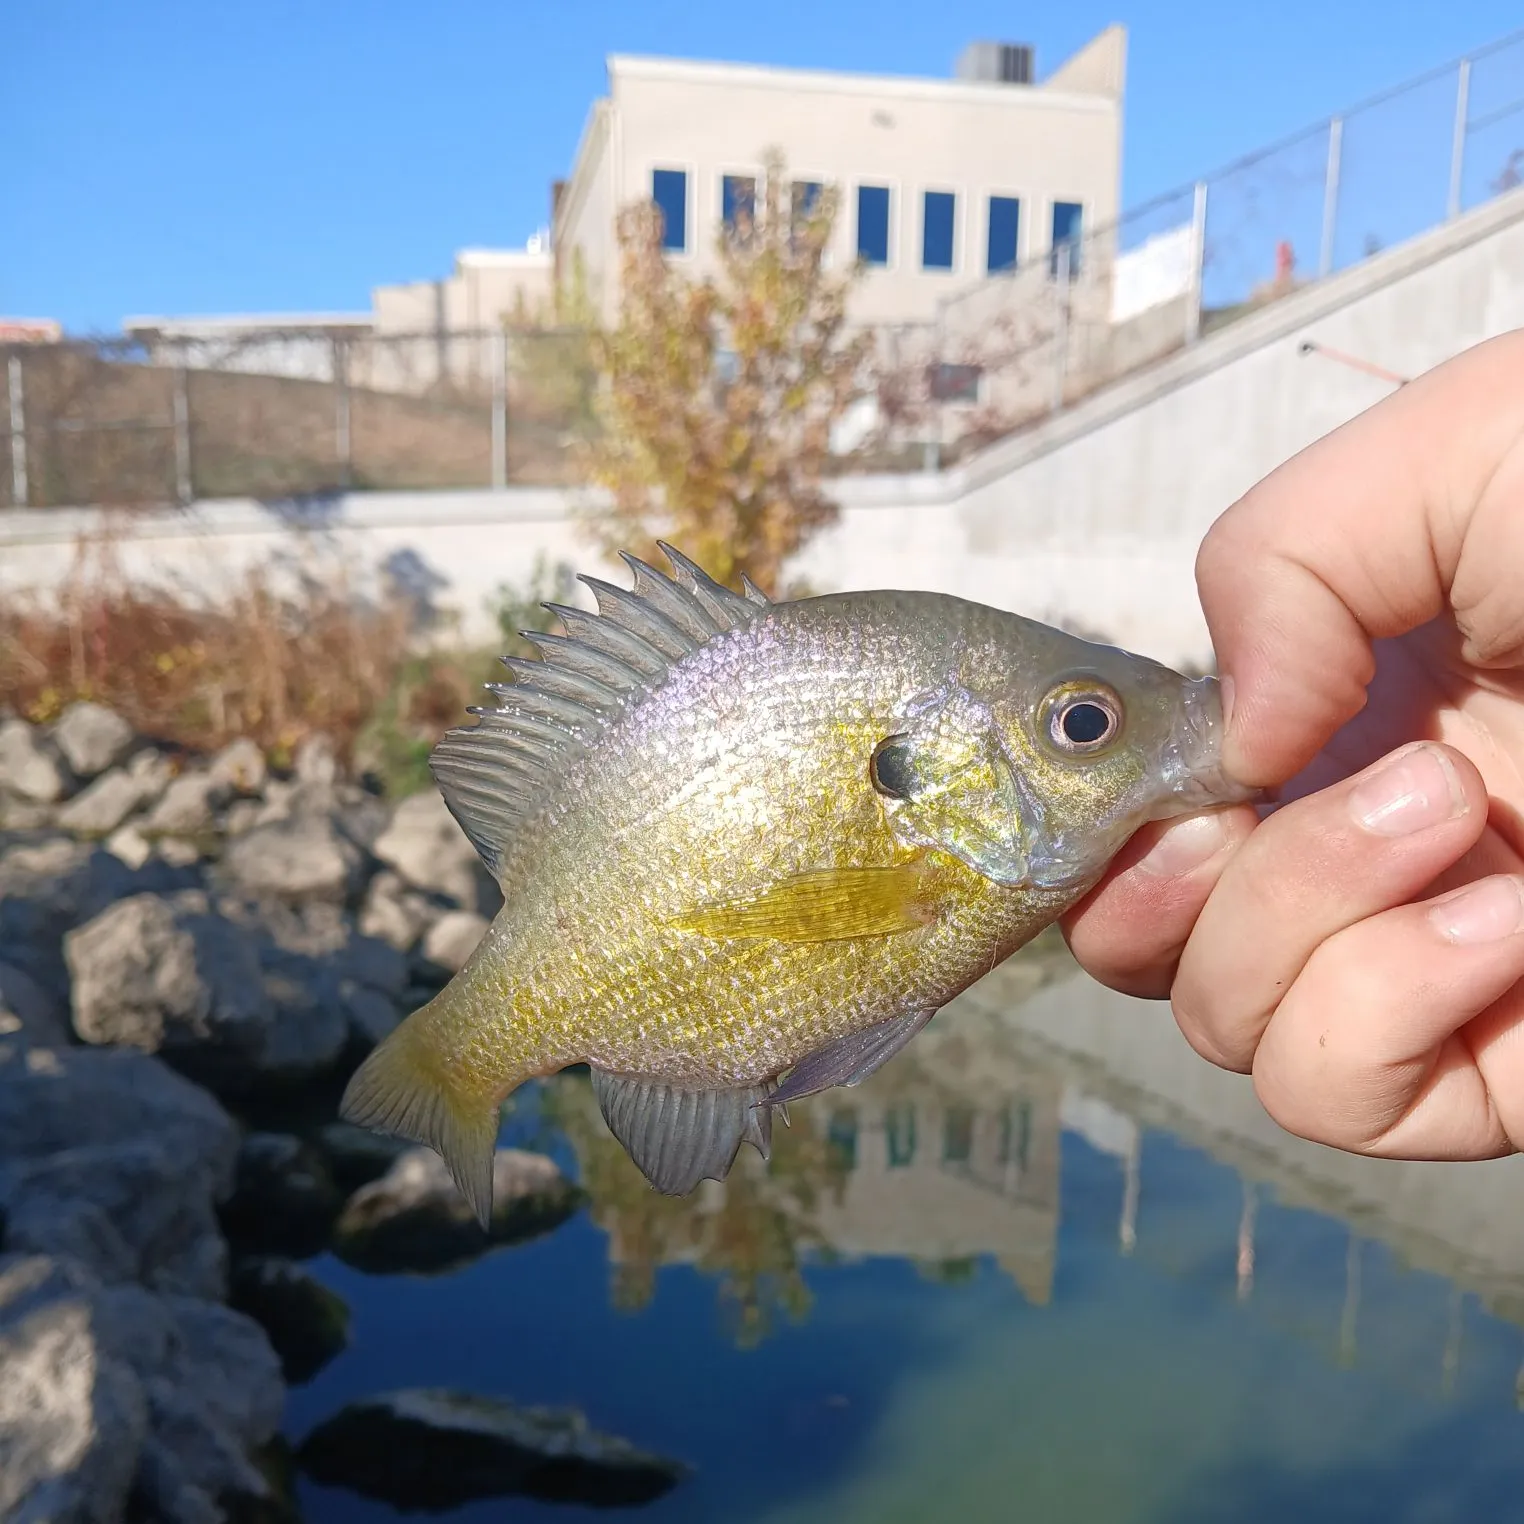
[[342, 444], [1331, 196], [1458, 142], [18, 433], [183, 487], [499, 361], [1061, 355], [1198, 261]]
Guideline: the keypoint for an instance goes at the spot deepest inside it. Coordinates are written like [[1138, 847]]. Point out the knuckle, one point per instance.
[[1210, 1039]]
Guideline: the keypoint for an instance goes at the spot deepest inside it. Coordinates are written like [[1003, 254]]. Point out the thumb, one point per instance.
[[1414, 507]]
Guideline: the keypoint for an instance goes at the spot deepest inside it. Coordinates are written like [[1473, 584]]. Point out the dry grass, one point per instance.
[[273, 663]]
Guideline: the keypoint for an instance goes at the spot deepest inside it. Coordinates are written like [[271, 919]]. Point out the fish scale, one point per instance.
[[707, 885]]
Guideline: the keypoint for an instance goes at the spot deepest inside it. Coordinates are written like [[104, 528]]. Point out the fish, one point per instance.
[[748, 848]]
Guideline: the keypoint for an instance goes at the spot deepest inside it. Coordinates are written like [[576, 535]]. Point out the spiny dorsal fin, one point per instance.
[[496, 774]]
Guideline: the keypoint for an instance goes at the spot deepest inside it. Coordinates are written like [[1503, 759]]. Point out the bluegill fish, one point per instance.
[[748, 849]]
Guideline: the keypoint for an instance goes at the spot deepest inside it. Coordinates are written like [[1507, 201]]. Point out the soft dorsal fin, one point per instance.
[[496, 774]]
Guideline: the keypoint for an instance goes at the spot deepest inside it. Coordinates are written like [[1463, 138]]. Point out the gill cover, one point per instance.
[[946, 782]]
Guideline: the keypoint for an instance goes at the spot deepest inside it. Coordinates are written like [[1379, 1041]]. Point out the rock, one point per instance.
[[362, 815], [284, 1201], [109, 1393], [29, 1015], [356, 1155], [177, 851], [394, 913], [55, 1099], [240, 767], [414, 1219], [294, 859], [306, 1323], [73, 1418], [240, 817], [106, 803], [435, 1450], [316, 764], [26, 768], [92, 738], [130, 1211], [47, 884], [371, 962], [426, 846], [372, 1015], [129, 845], [453, 937], [222, 1002], [187, 805], [214, 1393], [18, 814], [310, 1029], [162, 974]]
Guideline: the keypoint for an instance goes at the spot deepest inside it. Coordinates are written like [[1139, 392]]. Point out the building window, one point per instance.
[[899, 1132], [1015, 1135], [939, 212], [669, 190], [738, 203], [1066, 231], [873, 224], [841, 1134], [958, 1135], [803, 202], [1005, 229]]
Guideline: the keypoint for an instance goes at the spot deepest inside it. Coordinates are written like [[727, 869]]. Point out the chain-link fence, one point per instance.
[[280, 413]]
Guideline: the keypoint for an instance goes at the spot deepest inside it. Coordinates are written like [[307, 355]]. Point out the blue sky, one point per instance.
[[181, 156]]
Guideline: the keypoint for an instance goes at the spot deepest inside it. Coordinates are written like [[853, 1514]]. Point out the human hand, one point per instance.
[[1360, 949]]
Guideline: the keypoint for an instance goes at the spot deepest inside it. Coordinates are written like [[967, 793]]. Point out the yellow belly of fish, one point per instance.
[[621, 989]]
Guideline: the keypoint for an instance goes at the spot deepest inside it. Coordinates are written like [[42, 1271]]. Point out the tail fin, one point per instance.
[[403, 1089]]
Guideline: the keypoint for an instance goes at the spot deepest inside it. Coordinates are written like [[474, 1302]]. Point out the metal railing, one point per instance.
[[1186, 264], [284, 412]]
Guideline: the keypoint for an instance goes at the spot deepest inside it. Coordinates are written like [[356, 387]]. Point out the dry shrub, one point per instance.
[[267, 661]]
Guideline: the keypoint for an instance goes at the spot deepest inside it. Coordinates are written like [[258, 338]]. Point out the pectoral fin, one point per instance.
[[835, 904], [851, 1059], [679, 1137]]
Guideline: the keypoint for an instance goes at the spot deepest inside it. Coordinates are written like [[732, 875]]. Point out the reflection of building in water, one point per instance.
[[947, 1163], [951, 1155]]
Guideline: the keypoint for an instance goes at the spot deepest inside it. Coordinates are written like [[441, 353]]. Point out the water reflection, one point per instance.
[[1045, 1255], [950, 1156]]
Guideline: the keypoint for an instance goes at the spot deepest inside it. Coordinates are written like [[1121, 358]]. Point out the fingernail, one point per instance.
[[1409, 793], [1186, 846], [1484, 912]]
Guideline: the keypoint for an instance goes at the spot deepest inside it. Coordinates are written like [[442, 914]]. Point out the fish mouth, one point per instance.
[[1195, 779]]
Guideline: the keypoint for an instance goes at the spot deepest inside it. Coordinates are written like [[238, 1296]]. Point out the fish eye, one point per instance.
[[1084, 721], [889, 768]]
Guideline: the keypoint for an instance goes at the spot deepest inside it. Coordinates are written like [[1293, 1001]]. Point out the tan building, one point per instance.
[[943, 182], [415, 336]]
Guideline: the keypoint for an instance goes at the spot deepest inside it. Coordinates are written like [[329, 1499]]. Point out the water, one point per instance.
[[1047, 1265]]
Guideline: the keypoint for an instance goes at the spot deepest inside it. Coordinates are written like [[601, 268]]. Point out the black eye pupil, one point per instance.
[[1084, 723], [891, 771]]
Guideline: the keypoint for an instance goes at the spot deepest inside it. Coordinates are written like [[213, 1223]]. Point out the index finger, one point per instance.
[[1415, 505]]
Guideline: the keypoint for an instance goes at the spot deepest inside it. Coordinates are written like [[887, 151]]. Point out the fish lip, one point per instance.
[[1196, 778]]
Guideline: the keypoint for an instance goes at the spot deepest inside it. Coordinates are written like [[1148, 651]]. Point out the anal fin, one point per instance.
[[850, 1059], [678, 1137]]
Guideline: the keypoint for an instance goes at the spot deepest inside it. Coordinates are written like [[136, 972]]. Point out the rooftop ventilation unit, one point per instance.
[[998, 63]]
